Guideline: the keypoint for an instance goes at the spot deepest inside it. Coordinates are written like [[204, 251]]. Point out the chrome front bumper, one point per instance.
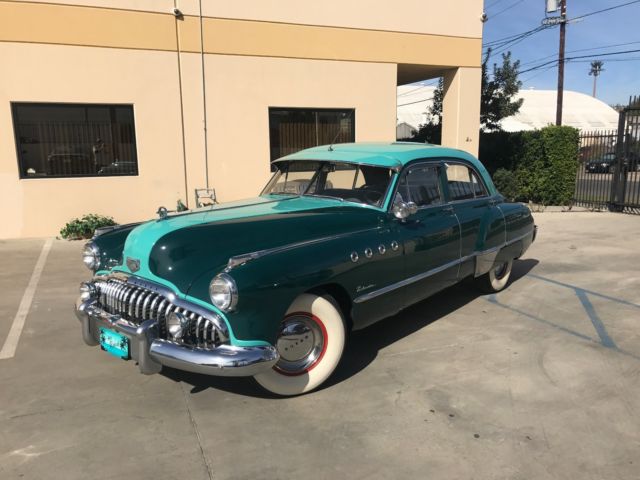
[[152, 352]]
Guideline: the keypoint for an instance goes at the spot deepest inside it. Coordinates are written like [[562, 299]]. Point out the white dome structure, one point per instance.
[[538, 110]]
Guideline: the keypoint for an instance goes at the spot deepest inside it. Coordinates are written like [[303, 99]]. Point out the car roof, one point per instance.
[[382, 154]]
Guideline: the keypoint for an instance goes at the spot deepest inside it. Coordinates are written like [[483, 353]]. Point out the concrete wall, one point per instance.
[[257, 54]]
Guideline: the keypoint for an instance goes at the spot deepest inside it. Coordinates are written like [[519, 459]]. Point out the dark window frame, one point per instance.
[[350, 111], [473, 170], [435, 165], [14, 105]]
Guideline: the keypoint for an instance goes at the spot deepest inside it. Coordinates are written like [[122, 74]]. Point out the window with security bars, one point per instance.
[[294, 129], [73, 140]]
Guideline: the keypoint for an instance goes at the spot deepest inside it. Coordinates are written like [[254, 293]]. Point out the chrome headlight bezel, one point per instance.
[[91, 256], [223, 292]]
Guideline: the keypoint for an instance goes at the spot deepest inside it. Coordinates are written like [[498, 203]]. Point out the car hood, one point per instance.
[[181, 247]]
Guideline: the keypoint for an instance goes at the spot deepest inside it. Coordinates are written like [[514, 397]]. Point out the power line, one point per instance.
[[506, 44], [495, 2], [509, 37], [609, 60], [606, 9], [418, 88], [581, 50], [417, 101], [555, 62], [538, 73], [505, 9]]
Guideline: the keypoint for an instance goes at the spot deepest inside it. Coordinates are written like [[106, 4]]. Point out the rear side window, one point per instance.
[[421, 185], [463, 183]]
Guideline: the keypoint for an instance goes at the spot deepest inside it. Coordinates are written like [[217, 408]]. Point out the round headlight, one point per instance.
[[91, 256], [177, 325], [87, 291], [223, 292]]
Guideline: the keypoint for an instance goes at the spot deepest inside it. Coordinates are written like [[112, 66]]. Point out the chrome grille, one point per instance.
[[136, 304]]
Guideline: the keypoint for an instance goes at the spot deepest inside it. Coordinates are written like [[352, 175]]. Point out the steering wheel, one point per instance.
[[372, 196]]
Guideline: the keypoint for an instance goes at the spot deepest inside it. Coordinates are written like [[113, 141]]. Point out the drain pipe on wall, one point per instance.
[[204, 101], [178, 16]]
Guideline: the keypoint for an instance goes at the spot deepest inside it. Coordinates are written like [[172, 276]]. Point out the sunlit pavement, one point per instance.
[[539, 381]]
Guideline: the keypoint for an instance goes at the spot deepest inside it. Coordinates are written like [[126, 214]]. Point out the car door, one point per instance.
[[481, 222], [430, 237]]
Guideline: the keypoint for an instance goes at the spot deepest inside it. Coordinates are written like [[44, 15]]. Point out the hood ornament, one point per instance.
[[162, 213]]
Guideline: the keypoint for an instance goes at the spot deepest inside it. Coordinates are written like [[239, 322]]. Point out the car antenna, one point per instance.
[[339, 131]]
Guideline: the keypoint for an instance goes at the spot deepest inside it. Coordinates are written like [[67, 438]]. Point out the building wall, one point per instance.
[[256, 54], [459, 18]]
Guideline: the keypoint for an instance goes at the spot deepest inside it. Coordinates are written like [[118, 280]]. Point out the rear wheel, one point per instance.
[[310, 343], [495, 279]]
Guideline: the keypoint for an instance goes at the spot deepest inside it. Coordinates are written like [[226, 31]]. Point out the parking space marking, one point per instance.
[[605, 339], [11, 343]]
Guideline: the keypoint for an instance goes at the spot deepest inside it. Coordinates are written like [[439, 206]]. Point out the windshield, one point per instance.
[[344, 181]]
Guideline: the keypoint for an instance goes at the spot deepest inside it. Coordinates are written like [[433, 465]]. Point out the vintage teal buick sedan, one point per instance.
[[269, 287]]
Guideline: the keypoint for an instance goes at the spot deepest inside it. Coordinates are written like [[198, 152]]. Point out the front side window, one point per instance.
[[340, 180], [69, 140], [421, 185], [463, 183], [294, 129]]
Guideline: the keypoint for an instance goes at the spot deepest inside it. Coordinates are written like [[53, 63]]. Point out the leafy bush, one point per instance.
[[538, 166], [84, 227], [507, 184]]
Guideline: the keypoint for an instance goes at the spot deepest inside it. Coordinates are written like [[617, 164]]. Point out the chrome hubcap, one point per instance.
[[300, 343], [500, 270]]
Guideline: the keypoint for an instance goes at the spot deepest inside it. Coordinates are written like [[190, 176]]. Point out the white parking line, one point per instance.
[[11, 343]]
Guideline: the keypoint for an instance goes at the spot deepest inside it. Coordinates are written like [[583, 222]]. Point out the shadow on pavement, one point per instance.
[[363, 346]]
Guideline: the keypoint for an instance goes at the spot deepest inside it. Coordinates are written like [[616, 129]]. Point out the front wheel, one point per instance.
[[310, 342], [495, 279]]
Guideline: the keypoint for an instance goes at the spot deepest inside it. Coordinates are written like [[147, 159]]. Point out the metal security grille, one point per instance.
[[67, 140], [294, 129], [609, 169]]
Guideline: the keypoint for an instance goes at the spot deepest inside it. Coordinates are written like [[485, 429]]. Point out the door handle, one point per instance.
[[447, 209]]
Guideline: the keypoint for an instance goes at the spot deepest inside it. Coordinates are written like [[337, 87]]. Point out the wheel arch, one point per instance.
[[340, 295]]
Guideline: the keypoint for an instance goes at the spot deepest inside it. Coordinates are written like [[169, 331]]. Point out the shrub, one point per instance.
[[538, 166], [84, 227], [507, 184]]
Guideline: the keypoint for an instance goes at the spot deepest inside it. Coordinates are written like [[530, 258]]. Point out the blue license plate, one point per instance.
[[115, 343]]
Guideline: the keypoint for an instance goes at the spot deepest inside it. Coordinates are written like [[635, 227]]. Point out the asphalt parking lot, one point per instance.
[[539, 381]]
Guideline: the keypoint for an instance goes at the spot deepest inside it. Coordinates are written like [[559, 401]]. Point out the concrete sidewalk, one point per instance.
[[539, 381]]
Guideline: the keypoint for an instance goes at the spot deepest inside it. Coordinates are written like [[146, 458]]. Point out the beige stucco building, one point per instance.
[[119, 106]]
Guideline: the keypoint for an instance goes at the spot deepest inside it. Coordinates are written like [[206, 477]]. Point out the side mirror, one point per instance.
[[403, 210]]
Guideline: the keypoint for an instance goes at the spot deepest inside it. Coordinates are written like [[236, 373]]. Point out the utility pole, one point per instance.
[[596, 70], [563, 27]]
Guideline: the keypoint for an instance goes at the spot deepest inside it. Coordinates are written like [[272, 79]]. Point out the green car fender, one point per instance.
[[268, 285]]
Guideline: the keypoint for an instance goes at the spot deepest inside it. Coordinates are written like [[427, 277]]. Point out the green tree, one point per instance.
[[496, 102]]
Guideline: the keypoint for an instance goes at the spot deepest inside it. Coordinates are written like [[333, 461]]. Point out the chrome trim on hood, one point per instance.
[[238, 260]]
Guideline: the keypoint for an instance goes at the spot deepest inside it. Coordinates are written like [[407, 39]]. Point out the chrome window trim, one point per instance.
[[437, 167], [459, 161], [423, 161], [434, 271]]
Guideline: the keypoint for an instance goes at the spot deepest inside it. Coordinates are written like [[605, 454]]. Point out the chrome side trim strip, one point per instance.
[[406, 281], [247, 257], [434, 271]]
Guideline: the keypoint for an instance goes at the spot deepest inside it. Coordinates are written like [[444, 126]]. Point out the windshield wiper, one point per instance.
[[322, 196]]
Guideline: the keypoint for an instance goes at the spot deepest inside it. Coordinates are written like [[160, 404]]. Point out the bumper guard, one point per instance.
[[152, 352]]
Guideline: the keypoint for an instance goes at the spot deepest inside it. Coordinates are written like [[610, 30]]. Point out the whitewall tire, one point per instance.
[[497, 278], [310, 343]]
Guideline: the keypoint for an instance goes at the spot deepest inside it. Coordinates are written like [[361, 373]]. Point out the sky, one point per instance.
[[621, 75]]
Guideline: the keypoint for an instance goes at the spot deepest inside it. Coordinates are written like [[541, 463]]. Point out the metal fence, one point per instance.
[[609, 168]]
